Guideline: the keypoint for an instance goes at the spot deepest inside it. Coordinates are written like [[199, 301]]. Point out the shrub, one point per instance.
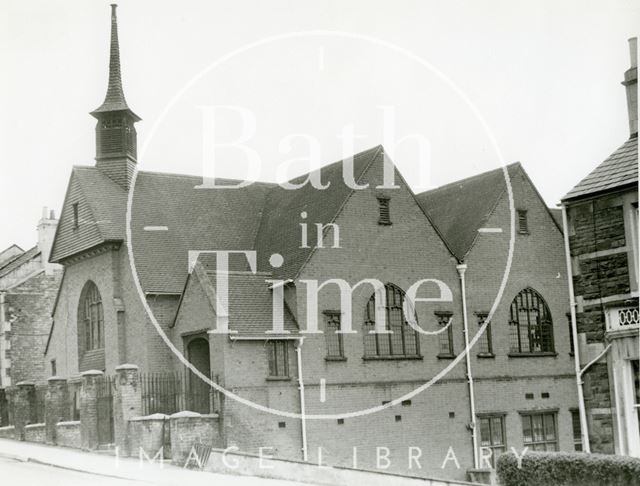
[[568, 469]]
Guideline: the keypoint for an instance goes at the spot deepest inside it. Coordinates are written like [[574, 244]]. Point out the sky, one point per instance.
[[464, 86]]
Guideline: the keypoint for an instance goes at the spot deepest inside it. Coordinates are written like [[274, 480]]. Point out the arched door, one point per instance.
[[199, 391]]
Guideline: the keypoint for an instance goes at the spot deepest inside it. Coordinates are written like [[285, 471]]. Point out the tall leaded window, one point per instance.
[[335, 346], [402, 340], [445, 337], [484, 344], [278, 359], [531, 327], [92, 317]]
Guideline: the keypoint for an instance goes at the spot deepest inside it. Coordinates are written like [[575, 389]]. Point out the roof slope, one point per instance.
[[458, 209], [279, 230], [619, 169], [19, 260], [250, 304]]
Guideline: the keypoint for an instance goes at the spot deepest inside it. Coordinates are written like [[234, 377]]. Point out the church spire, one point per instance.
[[114, 100], [116, 140]]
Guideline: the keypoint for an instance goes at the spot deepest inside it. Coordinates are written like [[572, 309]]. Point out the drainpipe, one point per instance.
[[574, 331], [462, 268], [305, 455]]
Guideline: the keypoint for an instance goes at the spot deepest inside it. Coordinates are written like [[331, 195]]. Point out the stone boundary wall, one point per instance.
[[68, 434], [35, 433]]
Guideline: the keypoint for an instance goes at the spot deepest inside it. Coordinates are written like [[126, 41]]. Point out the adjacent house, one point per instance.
[[130, 300], [602, 225]]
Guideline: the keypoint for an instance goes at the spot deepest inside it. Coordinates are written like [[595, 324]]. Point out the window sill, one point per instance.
[[390, 358], [278, 378], [384, 223], [545, 354], [486, 355], [446, 356], [335, 358]]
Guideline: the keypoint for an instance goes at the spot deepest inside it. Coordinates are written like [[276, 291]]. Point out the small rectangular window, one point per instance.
[[571, 348], [54, 370], [335, 347], [76, 220], [385, 212], [485, 345], [445, 337], [539, 431], [523, 225], [492, 437], [278, 359], [577, 430]]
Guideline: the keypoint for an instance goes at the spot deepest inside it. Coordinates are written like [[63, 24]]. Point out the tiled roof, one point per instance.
[[250, 305], [21, 259], [458, 209], [196, 219], [10, 253], [180, 218], [619, 169], [279, 230]]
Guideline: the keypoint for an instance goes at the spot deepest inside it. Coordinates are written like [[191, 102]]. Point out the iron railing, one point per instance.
[[172, 392]]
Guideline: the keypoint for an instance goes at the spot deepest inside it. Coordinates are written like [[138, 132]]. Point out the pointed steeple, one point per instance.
[[116, 140], [114, 100]]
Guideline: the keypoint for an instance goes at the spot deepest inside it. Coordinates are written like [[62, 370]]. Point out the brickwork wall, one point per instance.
[[29, 307]]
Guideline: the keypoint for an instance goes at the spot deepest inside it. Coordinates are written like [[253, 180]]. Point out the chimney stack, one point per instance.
[[46, 233], [631, 84]]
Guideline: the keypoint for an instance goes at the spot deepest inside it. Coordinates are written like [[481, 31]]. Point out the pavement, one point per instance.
[[26, 463]]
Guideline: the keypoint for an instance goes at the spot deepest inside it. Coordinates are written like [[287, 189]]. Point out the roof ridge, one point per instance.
[[470, 178]]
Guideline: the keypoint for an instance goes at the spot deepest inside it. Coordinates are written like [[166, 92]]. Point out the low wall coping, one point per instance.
[[56, 378], [155, 416], [25, 383], [7, 427], [127, 366], [92, 373], [185, 414], [34, 426], [68, 423]]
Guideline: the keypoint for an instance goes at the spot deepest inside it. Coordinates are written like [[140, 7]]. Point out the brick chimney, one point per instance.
[[46, 232], [631, 84]]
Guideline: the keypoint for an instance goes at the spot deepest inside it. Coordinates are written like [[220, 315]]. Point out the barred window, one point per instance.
[[531, 327], [485, 344], [335, 347], [523, 225], [278, 359], [402, 341], [92, 317], [445, 338], [539, 431], [385, 212], [492, 437]]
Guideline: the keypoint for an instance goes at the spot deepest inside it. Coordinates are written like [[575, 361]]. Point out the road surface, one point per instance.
[[18, 473]]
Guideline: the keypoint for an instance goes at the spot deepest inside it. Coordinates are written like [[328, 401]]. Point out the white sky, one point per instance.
[[545, 76]]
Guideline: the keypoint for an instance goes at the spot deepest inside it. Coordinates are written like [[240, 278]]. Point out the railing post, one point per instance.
[[89, 409], [127, 403], [56, 406]]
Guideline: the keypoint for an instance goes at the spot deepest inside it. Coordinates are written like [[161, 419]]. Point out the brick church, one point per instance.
[[514, 388]]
